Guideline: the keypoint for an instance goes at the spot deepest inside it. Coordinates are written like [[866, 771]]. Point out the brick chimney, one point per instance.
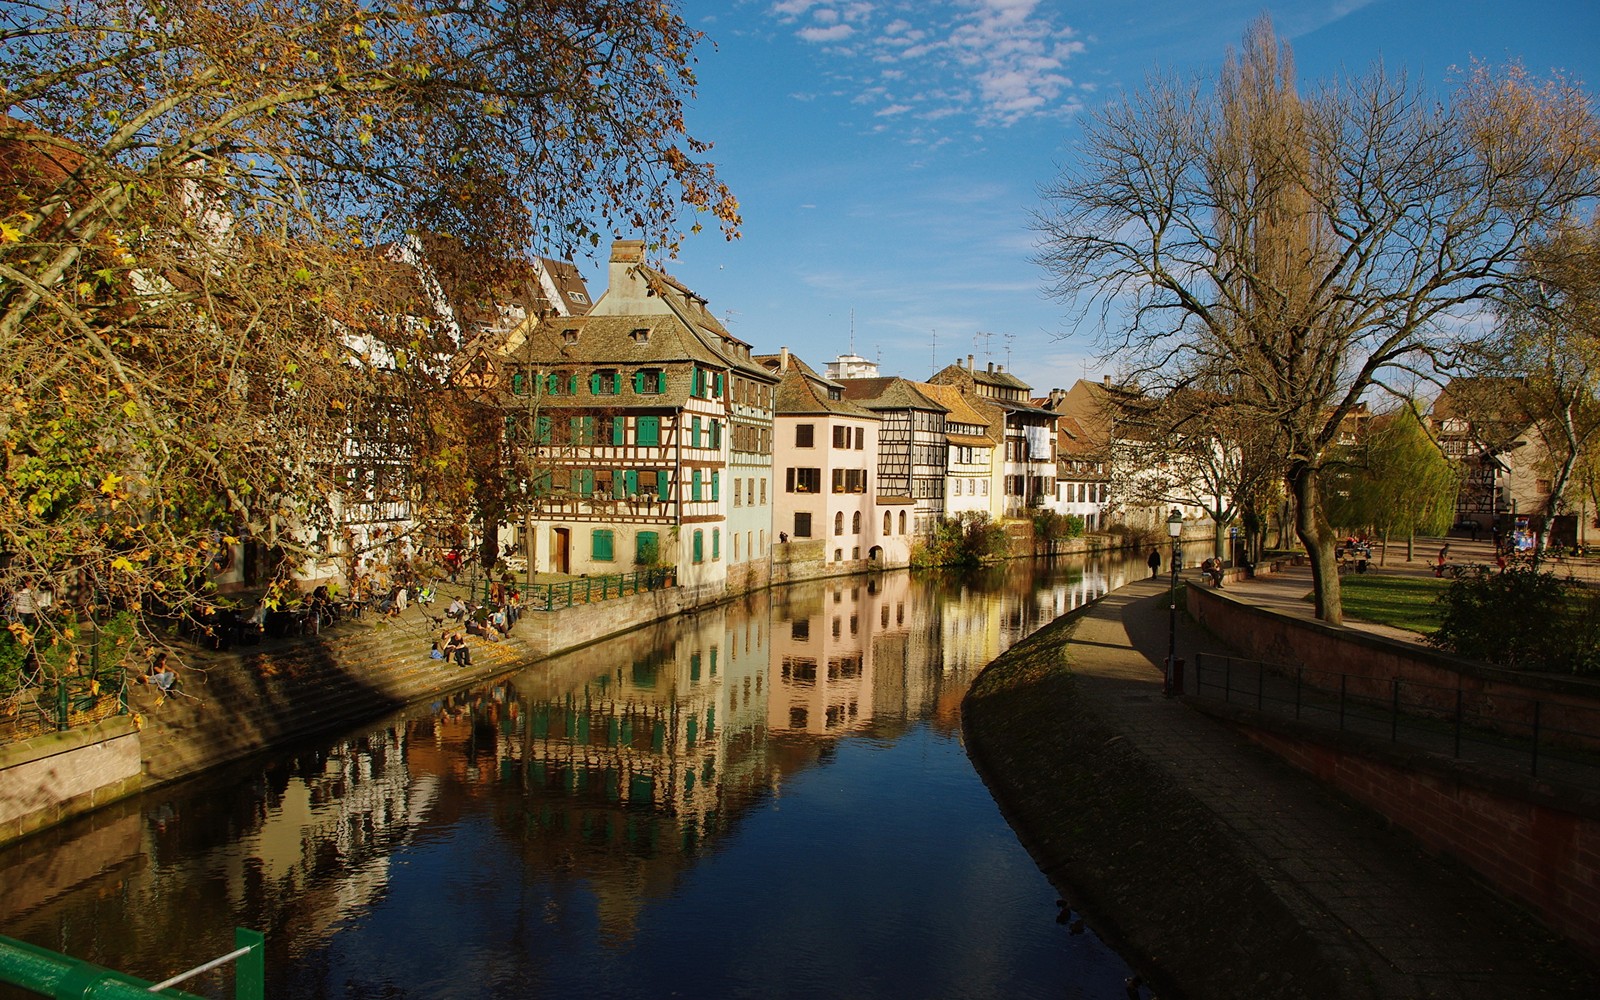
[[783, 359]]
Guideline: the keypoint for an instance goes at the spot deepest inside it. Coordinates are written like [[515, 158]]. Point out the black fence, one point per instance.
[[1548, 738]]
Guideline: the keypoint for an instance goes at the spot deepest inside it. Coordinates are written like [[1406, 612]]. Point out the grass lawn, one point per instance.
[[1401, 601]]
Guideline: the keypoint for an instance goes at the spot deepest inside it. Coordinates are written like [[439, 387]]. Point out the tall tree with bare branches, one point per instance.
[[1309, 248]]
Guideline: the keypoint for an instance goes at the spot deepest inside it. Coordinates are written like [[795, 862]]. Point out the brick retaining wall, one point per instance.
[[51, 778]]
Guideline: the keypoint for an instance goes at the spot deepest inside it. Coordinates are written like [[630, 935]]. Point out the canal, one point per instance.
[[767, 799]]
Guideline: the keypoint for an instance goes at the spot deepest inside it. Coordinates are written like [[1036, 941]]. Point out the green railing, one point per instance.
[[52, 974], [46, 690], [591, 589]]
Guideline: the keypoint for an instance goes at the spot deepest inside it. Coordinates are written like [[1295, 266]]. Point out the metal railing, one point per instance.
[[52, 974], [590, 589], [41, 696], [1543, 737]]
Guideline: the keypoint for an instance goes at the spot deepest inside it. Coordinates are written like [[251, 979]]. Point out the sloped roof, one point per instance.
[[802, 390], [890, 393], [962, 409]]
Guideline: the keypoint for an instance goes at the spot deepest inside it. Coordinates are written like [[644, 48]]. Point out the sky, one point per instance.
[[888, 154]]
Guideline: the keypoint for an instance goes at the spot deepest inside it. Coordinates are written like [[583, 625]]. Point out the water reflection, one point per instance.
[[781, 775]]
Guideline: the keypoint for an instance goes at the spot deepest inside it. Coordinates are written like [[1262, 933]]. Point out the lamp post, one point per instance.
[[1174, 530]]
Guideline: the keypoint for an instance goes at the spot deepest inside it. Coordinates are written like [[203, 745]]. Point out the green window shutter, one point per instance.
[[694, 432], [664, 483], [542, 433], [716, 544], [586, 482], [648, 431], [714, 493], [719, 385], [638, 381], [694, 485], [661, 381], [699, 383], [551, 385], [631, 481], [619, 427], [601, 546], [588, 431], [647, 546], [518, 384], [699, 545], [594, 384]]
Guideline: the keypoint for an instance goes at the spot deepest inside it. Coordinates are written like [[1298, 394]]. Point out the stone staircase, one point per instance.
[[252, 698]]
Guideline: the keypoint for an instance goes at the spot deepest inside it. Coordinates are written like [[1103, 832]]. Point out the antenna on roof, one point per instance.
[[1009, 338], [852, 332], [935, 366], [984, 347]]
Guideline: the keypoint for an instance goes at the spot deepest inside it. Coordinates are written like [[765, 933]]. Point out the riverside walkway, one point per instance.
[[1198, 852]]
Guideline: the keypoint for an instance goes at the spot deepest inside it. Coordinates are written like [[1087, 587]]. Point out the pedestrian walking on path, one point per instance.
[[1154, 562]]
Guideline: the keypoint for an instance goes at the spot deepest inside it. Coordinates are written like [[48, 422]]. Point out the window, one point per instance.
[[738, 497], [694, 430], [902, 523], [699, 545], [569, 337], [861, 438], [716, 493], [888, 528], [650, 381], [750, 491], [855, 523], [735, 537], [601, 545], [578, 297], [640, 335], [763, 491], [802, 524], [803, 435], [646, 548], [605, 382], [838, 523], [694, 485], [838, 556], [716, 544], [841, 437], [802, 481], [647, 430], [849, 480]]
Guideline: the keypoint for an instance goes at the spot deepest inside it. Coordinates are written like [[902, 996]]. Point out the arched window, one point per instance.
[[855, 523], [888, 527], [902, 522], [838, 523]]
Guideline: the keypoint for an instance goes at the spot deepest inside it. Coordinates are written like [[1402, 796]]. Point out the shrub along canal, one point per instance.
[[767, 799]]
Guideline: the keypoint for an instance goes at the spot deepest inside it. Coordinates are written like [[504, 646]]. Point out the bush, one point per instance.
[[1521, 619], [967, 539]]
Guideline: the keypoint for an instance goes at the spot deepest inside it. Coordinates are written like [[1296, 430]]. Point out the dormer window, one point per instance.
[[579, 298], [641, 335], [569, 337]]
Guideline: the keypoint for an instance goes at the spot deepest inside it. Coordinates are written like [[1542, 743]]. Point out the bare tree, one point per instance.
[[1308, 249]]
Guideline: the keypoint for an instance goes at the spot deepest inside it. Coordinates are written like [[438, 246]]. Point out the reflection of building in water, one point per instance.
[[821, 682]]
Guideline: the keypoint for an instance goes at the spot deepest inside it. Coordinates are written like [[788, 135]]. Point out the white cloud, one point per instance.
[[994, 61], [832, 33]]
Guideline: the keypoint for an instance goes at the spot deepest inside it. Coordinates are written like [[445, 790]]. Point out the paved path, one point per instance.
[[1399, 922]]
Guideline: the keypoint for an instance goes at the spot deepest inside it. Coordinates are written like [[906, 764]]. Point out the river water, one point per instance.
[[767, 799]]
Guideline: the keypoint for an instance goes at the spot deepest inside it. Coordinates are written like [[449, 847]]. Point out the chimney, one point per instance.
[[969, 362], [783, 359], [1107, 380], [991, 368], [627, 251]]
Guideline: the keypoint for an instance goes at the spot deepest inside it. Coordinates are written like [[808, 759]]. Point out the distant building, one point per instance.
[[913, 451], [1029, 472]]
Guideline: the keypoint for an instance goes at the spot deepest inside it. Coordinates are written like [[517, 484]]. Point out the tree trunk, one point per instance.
[[1318, 542]]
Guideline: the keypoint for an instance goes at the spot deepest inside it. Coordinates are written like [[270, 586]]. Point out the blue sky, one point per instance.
[[887, 154]]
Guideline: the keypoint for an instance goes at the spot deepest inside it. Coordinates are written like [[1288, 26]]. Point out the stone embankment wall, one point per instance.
[[52, 778], [1533, 839]]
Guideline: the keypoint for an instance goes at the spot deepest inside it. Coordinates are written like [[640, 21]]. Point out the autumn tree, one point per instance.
[[1311, 248], [1548, 340], [205, 205]]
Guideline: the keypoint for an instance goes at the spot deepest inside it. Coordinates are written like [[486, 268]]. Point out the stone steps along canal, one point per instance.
[[767, 799]]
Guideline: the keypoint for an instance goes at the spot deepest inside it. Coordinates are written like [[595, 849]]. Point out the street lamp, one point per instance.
[[1175, 531]]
